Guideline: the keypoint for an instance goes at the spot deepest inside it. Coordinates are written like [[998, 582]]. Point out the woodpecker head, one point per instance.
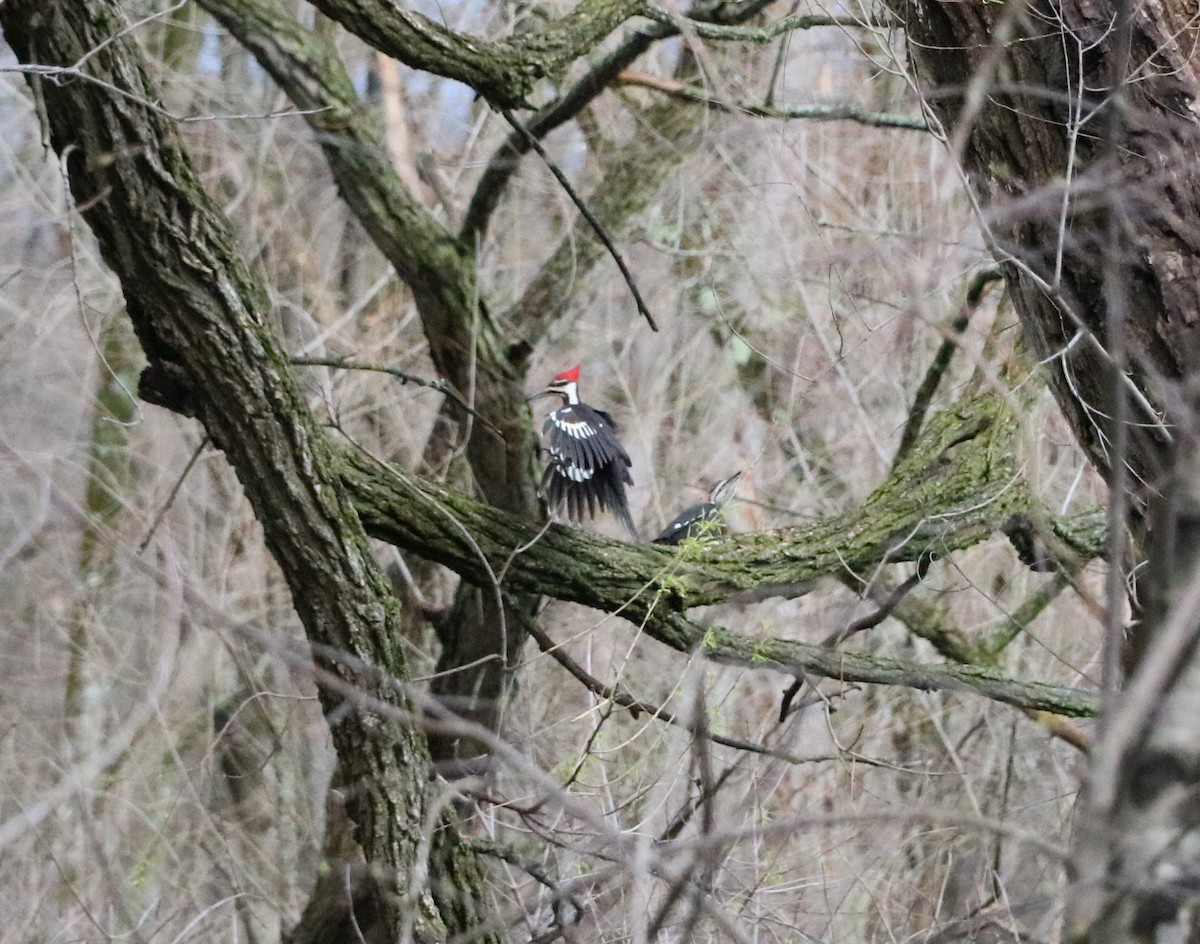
[[723, 490], [565, 385]]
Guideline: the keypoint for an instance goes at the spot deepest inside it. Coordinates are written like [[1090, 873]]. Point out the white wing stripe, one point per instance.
[[579, 429]]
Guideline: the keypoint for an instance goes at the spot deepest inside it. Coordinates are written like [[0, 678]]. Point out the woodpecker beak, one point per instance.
[[539, 396], [723, 491]]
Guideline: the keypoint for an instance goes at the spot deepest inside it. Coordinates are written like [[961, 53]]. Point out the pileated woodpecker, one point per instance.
[[587, 467], [696, 520]]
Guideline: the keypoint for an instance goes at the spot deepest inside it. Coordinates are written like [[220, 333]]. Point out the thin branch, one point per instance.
[[761, 34], [498, 850], [941, 362], [871, 620], [637, 705], [506, 158], [844, 111], [1030, 609], [587, 214], [1116, 288], [1062, 728], [441, 386], [166, 506]]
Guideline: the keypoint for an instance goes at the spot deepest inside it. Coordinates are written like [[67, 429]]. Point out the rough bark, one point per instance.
[[201, 319], [467, 346], [503, 72], [1026, 152], [1055, 170]]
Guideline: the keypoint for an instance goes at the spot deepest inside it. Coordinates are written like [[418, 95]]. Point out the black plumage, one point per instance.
[[587, 468], [701, 518]]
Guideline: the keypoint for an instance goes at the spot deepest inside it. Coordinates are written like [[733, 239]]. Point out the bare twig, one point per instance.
[[637, 705], [587, 214], [1026, 613], [857, 626], [507, 157], [166, 506], [872, 620], [843, 111], [441, 386]]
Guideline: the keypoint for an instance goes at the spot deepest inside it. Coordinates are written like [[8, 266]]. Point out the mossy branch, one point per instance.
[[956, 488], [504, 71]]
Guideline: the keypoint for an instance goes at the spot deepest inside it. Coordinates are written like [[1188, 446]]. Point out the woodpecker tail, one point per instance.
[[622, 510]]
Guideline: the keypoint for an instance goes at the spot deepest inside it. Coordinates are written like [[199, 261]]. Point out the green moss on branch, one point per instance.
[[957, 486]]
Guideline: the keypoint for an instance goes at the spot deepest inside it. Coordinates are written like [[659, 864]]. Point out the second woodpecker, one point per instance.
[[702, 518], [587, 468]]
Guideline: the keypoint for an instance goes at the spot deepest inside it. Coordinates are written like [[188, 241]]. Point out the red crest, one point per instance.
[[571, 375]]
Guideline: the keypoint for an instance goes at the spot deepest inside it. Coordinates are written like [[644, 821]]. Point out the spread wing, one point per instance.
[[582, 439], [587, 468]]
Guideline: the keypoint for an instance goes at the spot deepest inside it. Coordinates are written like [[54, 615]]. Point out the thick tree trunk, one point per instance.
[[201, 319], [480, 637], [1097, 216], [1032, 121]]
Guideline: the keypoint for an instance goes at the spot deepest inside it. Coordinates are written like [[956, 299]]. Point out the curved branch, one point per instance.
[[504, 161], [469, 349], [503, 72], [973, 493]]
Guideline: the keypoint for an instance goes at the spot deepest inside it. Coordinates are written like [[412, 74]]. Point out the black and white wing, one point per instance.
[[703, 518], [687, 524], [587, 468]]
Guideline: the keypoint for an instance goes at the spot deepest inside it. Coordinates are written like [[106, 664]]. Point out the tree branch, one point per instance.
[[840, 112], [623, 698], [941, 361], [196, 306], [502, 71], [654, 586], [505, 160], [587, 214], [441, 386]]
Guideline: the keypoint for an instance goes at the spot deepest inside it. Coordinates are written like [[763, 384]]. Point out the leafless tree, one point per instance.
[[1074, 125]]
